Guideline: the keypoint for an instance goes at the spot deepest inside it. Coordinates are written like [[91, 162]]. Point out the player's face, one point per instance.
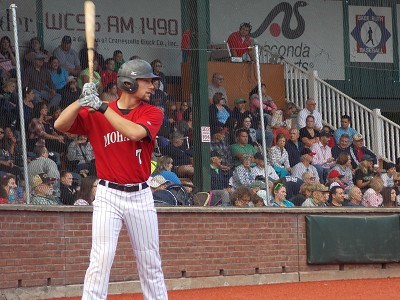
[[145, 89]]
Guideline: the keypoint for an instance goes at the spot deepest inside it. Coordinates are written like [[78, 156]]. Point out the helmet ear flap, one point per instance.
[[131, 87]]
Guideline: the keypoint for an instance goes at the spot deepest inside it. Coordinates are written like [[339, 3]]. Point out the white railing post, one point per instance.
[[377, 143], [313, 87]]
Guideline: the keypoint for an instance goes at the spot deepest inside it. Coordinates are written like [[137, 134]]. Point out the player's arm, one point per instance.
[[67, 117]]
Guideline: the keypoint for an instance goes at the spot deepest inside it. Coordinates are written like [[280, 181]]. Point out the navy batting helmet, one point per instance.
[[132, 70]]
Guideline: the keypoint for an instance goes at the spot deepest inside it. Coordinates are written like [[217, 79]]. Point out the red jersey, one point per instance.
[[236, 43], [119, 159]]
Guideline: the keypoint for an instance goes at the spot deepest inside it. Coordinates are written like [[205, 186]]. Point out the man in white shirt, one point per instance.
[[305, 165], [310, 110], [68, 57], [216, 87], [323, 160]]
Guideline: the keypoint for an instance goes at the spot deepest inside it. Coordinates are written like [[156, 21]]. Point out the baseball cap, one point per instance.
[[307, 151], [177, 136], [66, 39], [41, 178], [70, 79], [325, 133], [367, 157], [335, 174], [215, 153], [358, 137], [259, 184], [220, 129], [240, 100], [319, 187], [157, 180]]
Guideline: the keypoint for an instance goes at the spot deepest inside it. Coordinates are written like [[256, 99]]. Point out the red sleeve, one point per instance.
[[151, 118], [79, 124]]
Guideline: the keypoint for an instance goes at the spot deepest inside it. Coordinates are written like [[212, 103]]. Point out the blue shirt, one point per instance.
[[59, 80], [338, 133]]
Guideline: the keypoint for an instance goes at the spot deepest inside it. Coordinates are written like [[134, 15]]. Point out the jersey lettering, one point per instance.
[[114, 137]]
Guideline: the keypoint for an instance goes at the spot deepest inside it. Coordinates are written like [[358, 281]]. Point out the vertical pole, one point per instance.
[[376, 133]]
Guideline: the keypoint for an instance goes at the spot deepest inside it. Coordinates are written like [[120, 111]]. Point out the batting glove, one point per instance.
[[89, 96]]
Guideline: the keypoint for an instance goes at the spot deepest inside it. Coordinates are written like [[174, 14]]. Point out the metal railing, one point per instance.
[[381, 135]]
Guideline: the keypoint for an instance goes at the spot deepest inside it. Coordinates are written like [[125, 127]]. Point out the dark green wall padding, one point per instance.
[[353, 239]]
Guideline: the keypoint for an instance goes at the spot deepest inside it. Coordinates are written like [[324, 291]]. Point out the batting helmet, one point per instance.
[[132, 70]]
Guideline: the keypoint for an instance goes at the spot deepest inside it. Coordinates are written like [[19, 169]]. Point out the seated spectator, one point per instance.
[[310, 110], [304, 165], [58, 74], [39, 80], [344, 128], [390, 175], [185, 126], [184, 107], [240, 112], [269, 106], [219, 144], [343, 166], [259, 168], [28, 106], [364, 173], [219, 111], [109, 93], [9, 184], [308, 134], [398, 164], [255, 187], [13, 145], [80, 156], [319, 196], [280, 196], [87, 191], [331, 141], [157, 67], [309, 178], [35, 47], [267, 197], [3, 196], [83, 77], [242, 174], [70, 93], [251, 131], [118, 57], [282, 121], [335, 179], [241, 197], [343, 146], [279, 157], [171, 112], [355, 197], [323, 160], [159, 98], [7, 164], [292, 185], [216, 87], [372, 196], [9, 102], [239, 42], [83, 57], [164, 168], [66, 189], [68, 57], [242, 147], [294, 147], [305, 192], [389, 197], [219, 176], [337, 196], [358, 150], [42, 190], [108, 75], [7, 58]]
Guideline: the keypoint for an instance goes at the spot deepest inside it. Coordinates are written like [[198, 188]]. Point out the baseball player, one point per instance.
[[122, 134]]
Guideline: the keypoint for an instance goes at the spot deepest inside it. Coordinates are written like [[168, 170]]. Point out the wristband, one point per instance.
[[103, 107]]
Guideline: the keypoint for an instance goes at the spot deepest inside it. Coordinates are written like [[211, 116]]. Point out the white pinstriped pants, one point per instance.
[[136, 210]]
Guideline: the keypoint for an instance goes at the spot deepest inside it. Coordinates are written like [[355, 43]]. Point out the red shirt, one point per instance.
[[118, 159], [236, 43], [108, 77]]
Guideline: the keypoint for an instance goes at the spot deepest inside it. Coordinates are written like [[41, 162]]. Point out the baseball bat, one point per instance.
[[90, 35]]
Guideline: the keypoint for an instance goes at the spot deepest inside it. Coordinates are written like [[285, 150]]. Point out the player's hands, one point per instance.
[[89, 96]]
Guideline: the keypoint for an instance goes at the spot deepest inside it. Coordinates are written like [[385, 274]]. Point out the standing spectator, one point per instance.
[[42, 190], [342, 147], [280, 196], [58, 74], [157, 67], [118, 57], [70, 92], [310, 110], [308, 134], [242, 147], [216, 87], [372, 196], [239, 42], [7, 58], [68, 57], [337, 196], [66, 189], [344, 128], [279, 157], [304, 165], [323, 160], [35, 47], [390, 175], [294, 147], [355, 197], [108, 75], [110, 93], [358, 150], [219, 111], [87, 191]]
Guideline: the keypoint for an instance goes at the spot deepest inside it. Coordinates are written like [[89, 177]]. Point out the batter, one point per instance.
[[122, 134]]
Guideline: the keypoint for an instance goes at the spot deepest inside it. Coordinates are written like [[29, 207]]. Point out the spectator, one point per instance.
[[118, 57], [66, 189], [70, 93], [7, 58], [308, 134], [87, 192], [9, 101], [355, 197], [242, 147], [372, 196], [108, 75], [68, 57], [282, 120], [58, 74], [304, 165], [343, 146], [337, 196], [240, 112], [251, 131], [83, 77], [344, 128], [335, 179], [389, 197], [110, 93], [269, 106], [9, 184], [219, 176], [294, 147], [39, 80], [292, 185], [305, 192], [3, 196], [331, 140], [323, 160], [390, 175], [158, 97], [255, 188], [343, 166], [42, 193], [80, 156], [6, 158], [185, 126], [182, 109], [35, 47], [358, 150], [157, 66], [242, 174], [164, 168], [310, 110], [241, 197], [219, 144], [280, 196], [309, 178], [216, 87], [319, 196], [172, 113], [239, 42], [259, 168], [219, 111], [83, 57], [279, 157], [364, 173]]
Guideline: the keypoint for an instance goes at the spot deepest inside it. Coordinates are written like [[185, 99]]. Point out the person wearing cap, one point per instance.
[[242, 147], [390, 175], [372, 196], [319, 196], [336, 194], [220, 144], [42, 190], [242, 174], [310, 110], [158, 182], [305, 165], [344, 128], [342, 147], [219, 112], [68, 57], [323, 160], [216, 87], [219, 176], [364, 173], [294, 147], [58, 74], [161, 195], [240, 112], [259, 168], [358, 150], [334, 178]]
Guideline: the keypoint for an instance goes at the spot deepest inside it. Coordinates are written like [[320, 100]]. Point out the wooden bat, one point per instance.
[[90, 35]]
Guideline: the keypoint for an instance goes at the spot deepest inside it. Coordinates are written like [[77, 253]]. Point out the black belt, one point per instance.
[[124, 188]]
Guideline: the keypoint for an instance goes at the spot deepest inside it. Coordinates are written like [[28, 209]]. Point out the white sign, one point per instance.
[[371, 35], [205, 134]]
